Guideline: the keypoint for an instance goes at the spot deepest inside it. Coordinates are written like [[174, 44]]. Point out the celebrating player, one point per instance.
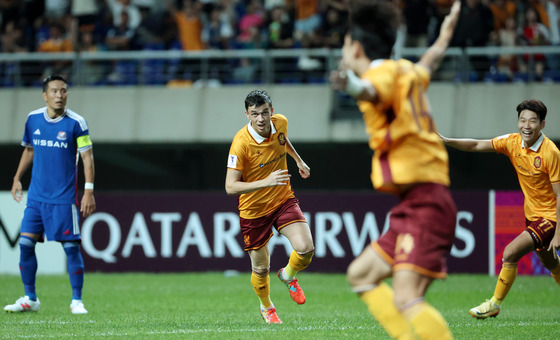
[[52, 139], [258, 173], [536, 160], [409, 161]]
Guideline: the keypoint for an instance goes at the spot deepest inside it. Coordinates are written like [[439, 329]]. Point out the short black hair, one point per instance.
[[534, 105], [257, 98], [374, 23], [52, 77]]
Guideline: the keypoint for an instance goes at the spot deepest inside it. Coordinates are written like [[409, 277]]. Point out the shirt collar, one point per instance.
[[51, 120], [258, 138], [535, 146], [375, 63]]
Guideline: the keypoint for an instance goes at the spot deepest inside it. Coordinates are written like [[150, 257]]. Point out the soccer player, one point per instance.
[[409, 161], [257, 171], [52, 139], [536, 160]]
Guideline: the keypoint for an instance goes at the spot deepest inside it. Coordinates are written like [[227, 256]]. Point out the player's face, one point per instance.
[[260, 118], [530, 127], [56, 95]]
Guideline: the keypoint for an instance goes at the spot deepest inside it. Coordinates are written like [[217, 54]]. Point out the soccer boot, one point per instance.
[[485, 310], [23, 304], [270, 316], [296, 293], [77, 307]]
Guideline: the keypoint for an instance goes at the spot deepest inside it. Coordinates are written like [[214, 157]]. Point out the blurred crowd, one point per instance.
[[121, 25]]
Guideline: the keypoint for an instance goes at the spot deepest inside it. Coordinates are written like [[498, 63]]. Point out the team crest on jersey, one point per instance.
[[537, 162], [281, 138], [61, 135]]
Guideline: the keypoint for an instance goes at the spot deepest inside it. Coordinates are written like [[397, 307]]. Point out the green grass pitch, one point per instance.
[[215, 306]]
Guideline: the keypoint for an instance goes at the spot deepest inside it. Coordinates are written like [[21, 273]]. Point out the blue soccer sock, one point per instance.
[[28, 265], [75, 268]]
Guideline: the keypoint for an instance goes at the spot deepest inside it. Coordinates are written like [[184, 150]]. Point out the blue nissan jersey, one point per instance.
[[55, 143]]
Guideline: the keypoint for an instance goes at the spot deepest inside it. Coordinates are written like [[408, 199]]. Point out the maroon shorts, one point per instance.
[[421, 232], [257, 231], [541, 231]]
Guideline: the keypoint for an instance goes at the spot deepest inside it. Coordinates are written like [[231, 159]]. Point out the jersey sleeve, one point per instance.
[[423, 75], [83, 140], [553, 166], [236, 155], [27, 141], [383, 81], [500, 144]]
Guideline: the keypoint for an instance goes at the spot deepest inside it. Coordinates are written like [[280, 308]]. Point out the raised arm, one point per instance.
[[236, 186], [434, 55], [87, 206], [555, 243], [304, 170], [24, 164], [468, 144]]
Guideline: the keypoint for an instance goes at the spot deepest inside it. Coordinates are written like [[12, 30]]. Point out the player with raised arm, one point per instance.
[[409, 161], [536, 160], [257, 171], [54, 136]]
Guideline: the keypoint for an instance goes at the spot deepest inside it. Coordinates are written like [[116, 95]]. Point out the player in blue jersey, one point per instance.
[[53, 137]]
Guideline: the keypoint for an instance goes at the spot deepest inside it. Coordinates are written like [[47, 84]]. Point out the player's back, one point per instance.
[[402, 133]]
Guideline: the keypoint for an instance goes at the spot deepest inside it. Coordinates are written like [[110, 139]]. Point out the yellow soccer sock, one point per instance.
[[508, 274], [297, 262], [556, 273], [427, 322], [382, 307], [261, 285]]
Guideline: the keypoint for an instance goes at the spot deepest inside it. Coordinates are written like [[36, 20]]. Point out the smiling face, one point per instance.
[[260, 118], [55, 96], [529, 126]]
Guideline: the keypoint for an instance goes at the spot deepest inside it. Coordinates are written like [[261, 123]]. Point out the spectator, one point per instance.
[[280, 29], [507, 37], [417, 18], [119, 38], [331, 32], [57, 42], [553, 11], [307, 21], [534, 33], [250, 25], [217, 32], [189, 24], [56, 9], [118, 6], [501, 11], [157, 28]]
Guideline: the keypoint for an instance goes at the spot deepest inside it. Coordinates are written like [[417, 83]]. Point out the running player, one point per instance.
[[53, 137], [258, 173], [409, 161], [536, 160]]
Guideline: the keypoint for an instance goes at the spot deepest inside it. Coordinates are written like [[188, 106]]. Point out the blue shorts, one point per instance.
[[58, 222]]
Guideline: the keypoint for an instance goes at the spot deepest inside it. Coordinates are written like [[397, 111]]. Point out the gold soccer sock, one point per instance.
[[261, 285], [556, 273], [505, 281], [381, 305], [427, 322], [297, 262]]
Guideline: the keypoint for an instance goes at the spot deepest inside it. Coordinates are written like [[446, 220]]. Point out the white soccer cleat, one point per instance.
[[23, 304], [77, 307], [487, 309]]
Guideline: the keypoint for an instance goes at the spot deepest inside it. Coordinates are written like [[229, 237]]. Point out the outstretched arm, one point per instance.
[[468, 144], [434, 55], [24, 164], [236, 186], [555, 243], [87, 206], [304, 170]]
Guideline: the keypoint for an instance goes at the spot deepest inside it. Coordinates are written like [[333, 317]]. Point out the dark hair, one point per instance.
[[374, 24], [50, 78], [534, 105], [257, 98]]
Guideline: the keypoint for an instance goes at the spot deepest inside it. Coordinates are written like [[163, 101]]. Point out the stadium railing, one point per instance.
[[154, 66]]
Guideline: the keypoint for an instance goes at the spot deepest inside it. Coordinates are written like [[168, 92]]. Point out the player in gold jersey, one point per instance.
[[258, 173], [536, 160], [410, 161]]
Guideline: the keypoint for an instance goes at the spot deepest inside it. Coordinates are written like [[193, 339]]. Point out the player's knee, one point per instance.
[[354, 275], [510, 255], [307, 256], [72, 249], [260, 271]]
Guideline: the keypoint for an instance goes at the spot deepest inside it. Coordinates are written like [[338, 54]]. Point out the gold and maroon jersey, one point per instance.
[[257, 157], [537, 168], [407, 149]]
